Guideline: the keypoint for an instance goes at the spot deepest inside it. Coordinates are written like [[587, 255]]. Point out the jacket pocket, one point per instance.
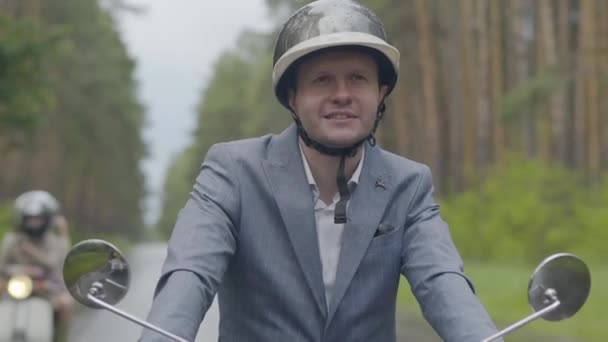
[[388, 239]]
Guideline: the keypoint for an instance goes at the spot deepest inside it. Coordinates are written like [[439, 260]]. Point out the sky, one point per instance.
[[175, 44]]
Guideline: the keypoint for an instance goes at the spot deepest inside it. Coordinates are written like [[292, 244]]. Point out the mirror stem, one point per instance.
[[134, 319], [524, 321]]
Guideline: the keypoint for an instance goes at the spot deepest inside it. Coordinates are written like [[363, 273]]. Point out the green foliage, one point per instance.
[[281, 9], [525, 211], [120, 241], [86, 148], [25, 49], [502, 290], [6, 218], [238, 103], [82, 264], [535, 90], [178, 184], [603, 78], [592, 214], [98, 115]]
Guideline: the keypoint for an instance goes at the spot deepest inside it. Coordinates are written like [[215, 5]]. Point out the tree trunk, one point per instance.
[[589, 46], [543, 65], [603, 64], [429, 87], [484, 119], [522, 32], [399, 116], [467, 49], [580, 105], [497, 79], [454, 82]]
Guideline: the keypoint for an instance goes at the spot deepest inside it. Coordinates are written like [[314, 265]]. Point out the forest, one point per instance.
[[70, 121]]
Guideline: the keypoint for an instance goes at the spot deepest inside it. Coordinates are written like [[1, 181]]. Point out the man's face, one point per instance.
[[34, 223], [336, 97]]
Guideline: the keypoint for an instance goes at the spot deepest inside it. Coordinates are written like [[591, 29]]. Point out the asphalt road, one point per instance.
[[100, 325]]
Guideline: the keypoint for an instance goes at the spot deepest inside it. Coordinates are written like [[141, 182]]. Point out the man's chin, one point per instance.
[[341, 143]]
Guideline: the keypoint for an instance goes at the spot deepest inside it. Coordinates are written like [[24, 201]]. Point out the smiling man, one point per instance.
[[304, 235]]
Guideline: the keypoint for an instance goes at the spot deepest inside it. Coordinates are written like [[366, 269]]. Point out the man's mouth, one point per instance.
[[339, 116]]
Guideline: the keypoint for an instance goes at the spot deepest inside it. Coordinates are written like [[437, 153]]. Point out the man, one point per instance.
[[41, 240], [304, 235]]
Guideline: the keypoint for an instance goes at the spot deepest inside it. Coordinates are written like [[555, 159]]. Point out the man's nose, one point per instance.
[[342, 93]]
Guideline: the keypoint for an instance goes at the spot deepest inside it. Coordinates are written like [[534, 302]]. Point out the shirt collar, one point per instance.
[[354, 179]]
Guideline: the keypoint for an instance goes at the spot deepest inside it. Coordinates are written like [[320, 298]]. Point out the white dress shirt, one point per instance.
[[328, 232]]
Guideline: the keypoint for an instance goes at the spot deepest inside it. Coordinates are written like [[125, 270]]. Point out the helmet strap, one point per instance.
[[343, 153], [349, 151], [340, 211], [371, 138]]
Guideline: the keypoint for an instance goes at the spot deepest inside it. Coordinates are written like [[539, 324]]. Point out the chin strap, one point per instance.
[[349, 151], [343, 153], [340, 211]]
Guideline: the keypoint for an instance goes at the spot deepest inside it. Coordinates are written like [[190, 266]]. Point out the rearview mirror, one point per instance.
[[564, 276], [99, 268], [97, 275], [558, 288]]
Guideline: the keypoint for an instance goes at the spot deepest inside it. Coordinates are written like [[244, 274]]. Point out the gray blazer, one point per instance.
[[248, 233]]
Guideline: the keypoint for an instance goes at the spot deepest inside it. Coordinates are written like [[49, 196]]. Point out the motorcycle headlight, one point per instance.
[[20, 287]]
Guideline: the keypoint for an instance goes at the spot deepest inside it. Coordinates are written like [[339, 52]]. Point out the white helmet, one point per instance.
[[35, 204]]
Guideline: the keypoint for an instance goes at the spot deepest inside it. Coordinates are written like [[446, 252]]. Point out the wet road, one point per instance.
[[100, 325]]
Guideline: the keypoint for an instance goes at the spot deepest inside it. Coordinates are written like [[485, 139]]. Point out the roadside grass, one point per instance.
[[503, 291]]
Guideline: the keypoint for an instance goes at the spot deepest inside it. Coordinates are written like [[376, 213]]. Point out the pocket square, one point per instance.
[[383, 228]]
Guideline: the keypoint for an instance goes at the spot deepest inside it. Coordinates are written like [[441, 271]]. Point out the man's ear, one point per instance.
[[383, 91], [291, 98]]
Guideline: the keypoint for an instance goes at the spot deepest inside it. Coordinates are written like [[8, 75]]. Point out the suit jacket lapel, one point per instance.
[[365, 211], [285, 173]]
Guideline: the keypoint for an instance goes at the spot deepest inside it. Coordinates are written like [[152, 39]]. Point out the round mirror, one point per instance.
[[567, 277], [96, 266]]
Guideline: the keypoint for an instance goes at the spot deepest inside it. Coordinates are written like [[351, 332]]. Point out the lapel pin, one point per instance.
[[380, 183]]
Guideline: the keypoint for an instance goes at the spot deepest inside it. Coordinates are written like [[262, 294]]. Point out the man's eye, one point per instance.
[[322, 79], [358, 77]]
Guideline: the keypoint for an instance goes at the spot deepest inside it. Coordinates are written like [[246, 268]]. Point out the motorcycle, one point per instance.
[[97, 275], [26, 314]]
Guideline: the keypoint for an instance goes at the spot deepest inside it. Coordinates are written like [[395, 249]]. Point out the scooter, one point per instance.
[[26, 315], [97, 275]]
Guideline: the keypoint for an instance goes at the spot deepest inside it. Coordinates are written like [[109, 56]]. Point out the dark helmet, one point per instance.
[[327, 24], [35, 211]]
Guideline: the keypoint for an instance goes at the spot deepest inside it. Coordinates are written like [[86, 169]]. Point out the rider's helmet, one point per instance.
[[331, 24], [35, 212], [328, 25]]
